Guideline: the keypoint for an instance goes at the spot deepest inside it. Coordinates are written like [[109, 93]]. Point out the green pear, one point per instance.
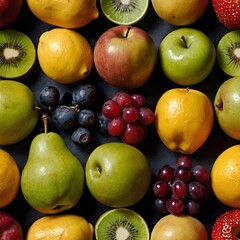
[[227, 107], [18, 111], [117, 174], [52, 179]]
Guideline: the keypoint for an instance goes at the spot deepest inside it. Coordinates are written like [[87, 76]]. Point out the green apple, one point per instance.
[[180, 227], [117, 174], [227, 107], [187, 56]]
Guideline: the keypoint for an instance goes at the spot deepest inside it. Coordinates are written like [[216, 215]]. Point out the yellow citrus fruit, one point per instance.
[[9, 179], [65, 55], [225, 177], [63, 226], [178, 12], [184, 119], [63, 13]]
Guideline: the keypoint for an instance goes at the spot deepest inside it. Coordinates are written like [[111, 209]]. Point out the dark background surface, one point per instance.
[[152, 147]]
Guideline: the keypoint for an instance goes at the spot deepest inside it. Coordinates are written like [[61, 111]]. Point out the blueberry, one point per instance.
[[81, 136], [86, 118], [64, 117], [84, 95], [49, 96], [101, 123]]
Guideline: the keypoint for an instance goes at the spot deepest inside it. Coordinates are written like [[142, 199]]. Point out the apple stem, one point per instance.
[[44, 119], [127, 32], [184, 41]]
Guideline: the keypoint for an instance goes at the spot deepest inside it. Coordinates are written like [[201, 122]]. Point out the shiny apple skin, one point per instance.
[[125, 56], [9, 11], [189, 64]]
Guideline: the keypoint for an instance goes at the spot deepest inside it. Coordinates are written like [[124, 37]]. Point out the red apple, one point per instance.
[[10, 229], [125, 56], [9, 11]]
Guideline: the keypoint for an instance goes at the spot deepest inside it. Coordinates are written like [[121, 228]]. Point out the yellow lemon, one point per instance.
[[63, 226], [65, 55], [64, 13], [225, 177], [184, 119], [9, 178]]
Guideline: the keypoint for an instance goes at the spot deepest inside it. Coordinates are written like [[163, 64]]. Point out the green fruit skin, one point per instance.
[[117, 174], [17, 103], [53, 178], [189, 65], [228, 116]]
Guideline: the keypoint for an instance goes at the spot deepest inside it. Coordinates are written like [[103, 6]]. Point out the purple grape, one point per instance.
[[200, 173], [175, 205], [193, 207], [160, 204], [179, 188], [161, 189], [196, 190], [183, 174], [166, 173]]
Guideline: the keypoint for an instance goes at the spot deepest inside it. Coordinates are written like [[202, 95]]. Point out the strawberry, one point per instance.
[[227, 226], [228, 12]]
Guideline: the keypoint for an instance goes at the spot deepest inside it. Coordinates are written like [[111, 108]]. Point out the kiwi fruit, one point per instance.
[[228, 53], [121, 224], [17, 54], [124, 12]]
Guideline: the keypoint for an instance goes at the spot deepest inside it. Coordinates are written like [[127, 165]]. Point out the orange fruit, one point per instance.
[[184, 119], [63, 226], [225, 177], [65, 55], [9, 179]]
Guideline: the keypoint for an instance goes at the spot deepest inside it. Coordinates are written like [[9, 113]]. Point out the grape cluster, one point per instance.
[[181, 189], [76, 111], [128, 116]]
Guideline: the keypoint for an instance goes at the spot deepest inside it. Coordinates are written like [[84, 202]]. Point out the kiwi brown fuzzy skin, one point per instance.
[[20, 60], [228, 53]]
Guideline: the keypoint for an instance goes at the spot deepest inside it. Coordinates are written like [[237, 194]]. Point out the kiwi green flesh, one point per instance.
[[17, 54], [124, 12], [121, 224], [228, 53]]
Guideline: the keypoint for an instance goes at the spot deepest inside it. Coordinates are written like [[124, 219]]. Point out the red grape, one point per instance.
[[116, 126], [200, 173], [179, 188], [111, 109], [161, 189], [166, 173], [175, 205], [146, 116], [138, 100], [183, 174], [123, 99], [130, 114], [184, 161]]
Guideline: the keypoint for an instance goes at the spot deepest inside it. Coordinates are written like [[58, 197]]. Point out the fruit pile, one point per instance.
[[181, 189], [82, 49]]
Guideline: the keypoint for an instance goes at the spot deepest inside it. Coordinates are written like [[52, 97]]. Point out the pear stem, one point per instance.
[[44, 119]]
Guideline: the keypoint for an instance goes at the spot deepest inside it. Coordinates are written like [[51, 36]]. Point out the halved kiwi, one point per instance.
[[121, 224], [228, 53], [124, 12], [17, 54]]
